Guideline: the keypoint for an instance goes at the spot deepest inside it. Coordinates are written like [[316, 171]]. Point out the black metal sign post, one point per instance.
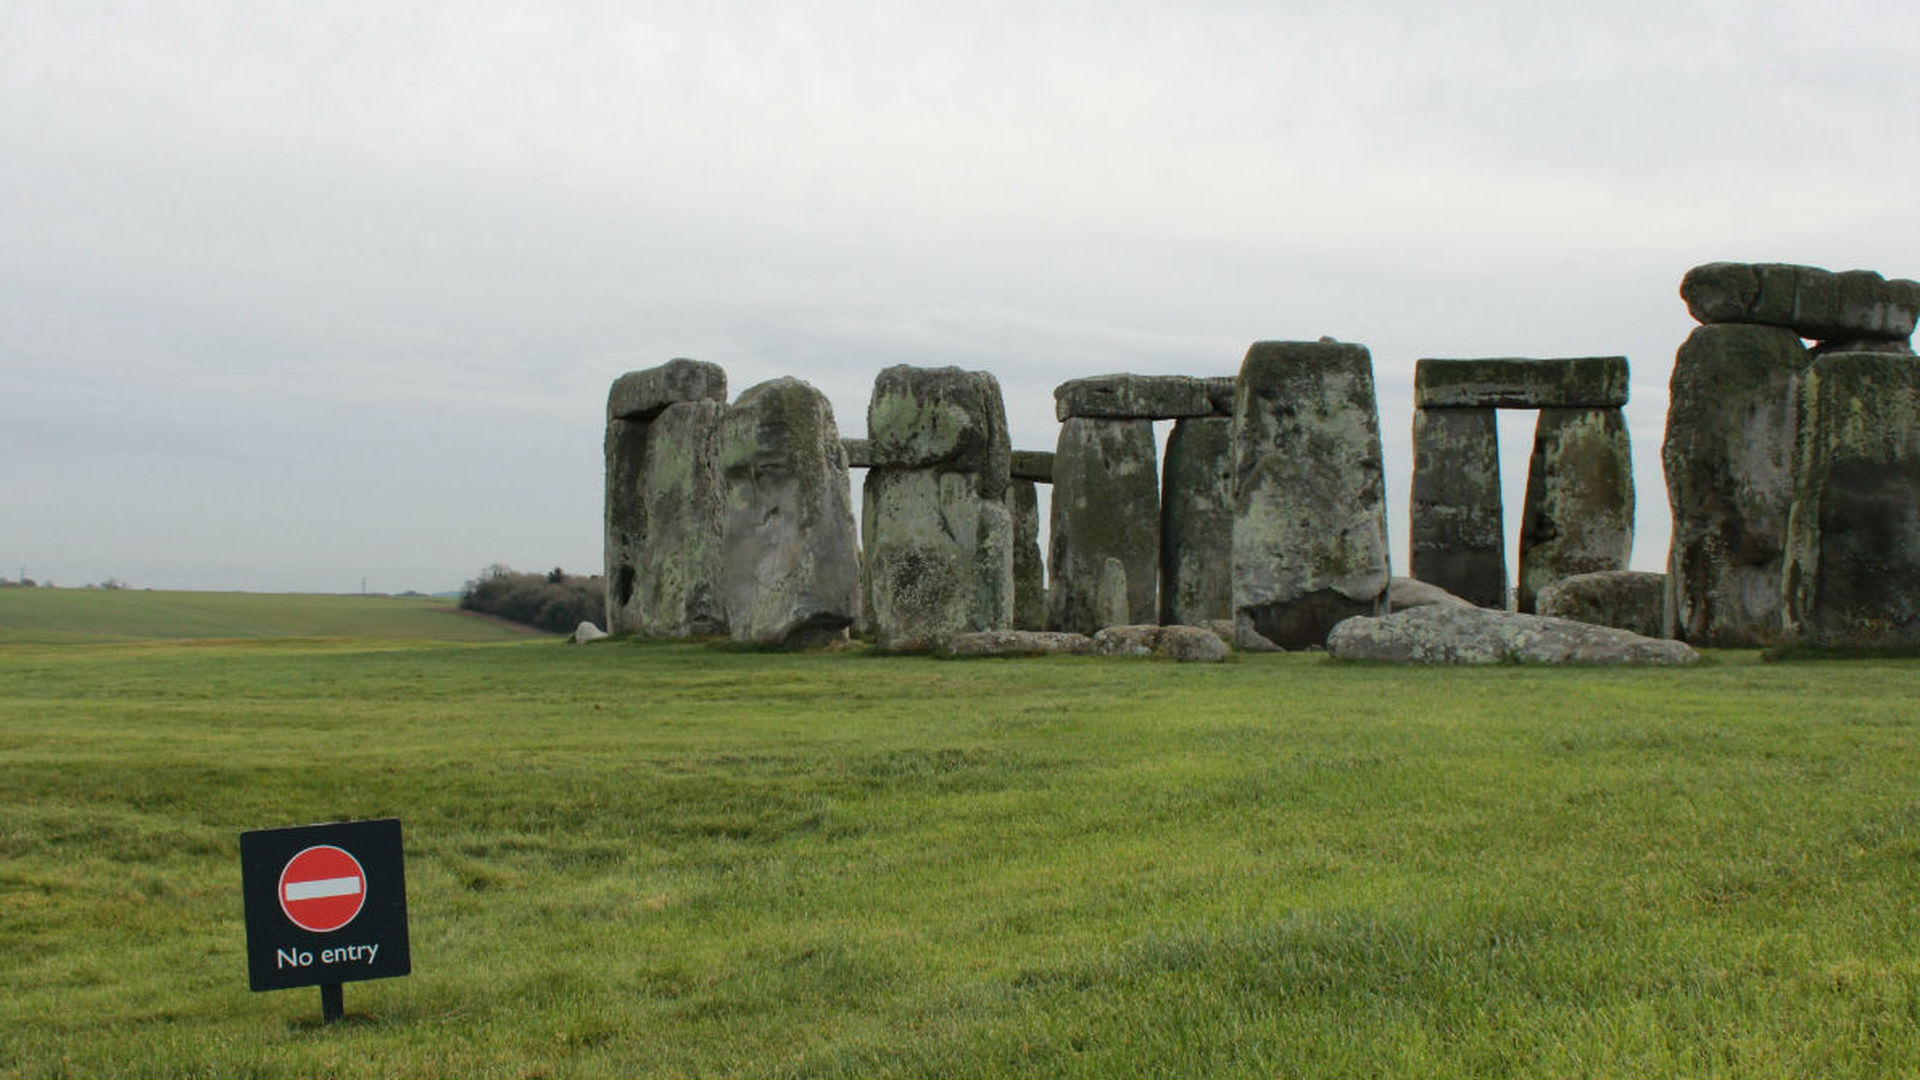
[[326, 905]]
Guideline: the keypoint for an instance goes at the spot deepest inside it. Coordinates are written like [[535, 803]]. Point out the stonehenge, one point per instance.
[[1793, 470], [1256, 510], [1578, 516]]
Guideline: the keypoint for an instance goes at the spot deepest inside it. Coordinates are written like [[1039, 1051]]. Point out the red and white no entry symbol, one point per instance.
[[322, 888]]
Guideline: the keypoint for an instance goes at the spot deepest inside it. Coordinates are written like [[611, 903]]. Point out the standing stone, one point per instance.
[[1732, 415], [635, 403], [940, 538], [1196, 523], [625, 517], [1310, 516], [1029, 570], [1579, 511], [1106, 504], [1458, 535], [676, 588], [1853, 535], [791, 566]]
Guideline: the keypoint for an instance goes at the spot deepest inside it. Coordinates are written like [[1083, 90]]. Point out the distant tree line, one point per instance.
[[556, 600]]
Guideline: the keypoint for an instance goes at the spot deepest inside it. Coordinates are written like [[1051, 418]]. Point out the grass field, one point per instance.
[[70, 616], [682, 860]]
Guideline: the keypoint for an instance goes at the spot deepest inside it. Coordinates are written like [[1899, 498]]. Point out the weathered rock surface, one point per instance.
[[1196, 522], [1852, 575], [946, 418], [1018, 643], [1106, 504], [939, 558], [586, 632], [1220, 391], [1813, 303], [1588, 382], [625, 516], [675, 589], [1310, 522], [940, 542], [791, 565], [859, 453], [1458, 536], [1186, 644], [1630, 600], [1036, 465], [1132, 397], [1439, 634], [1732, 416], [640, 395], [1579, 510], [1407, 592], [1029, 570]]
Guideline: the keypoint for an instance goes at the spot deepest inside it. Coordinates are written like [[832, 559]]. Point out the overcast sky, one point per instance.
[[296, 294]]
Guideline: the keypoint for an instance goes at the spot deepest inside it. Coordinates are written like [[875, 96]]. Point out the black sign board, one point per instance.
[[326, 904]]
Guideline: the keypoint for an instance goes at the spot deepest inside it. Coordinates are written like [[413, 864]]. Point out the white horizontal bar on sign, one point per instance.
[[319, 888]]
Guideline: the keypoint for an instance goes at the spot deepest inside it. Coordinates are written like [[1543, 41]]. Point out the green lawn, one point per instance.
[[68, 616], [686, 860]]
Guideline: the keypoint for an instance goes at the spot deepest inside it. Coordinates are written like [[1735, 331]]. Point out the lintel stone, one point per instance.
[[1132, 397], [640, 395], [1814, 303], [1587, 382], [1034, 465]]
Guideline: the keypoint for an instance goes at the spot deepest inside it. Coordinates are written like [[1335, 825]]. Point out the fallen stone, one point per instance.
[[791, 563], [1458, 532], [1440, 634], [1813, 303], [1406, 592], [1196, 522], [1732, 417], [1132, 397], [1631, 600], [1017, 643], [1579, 510], [640, 395], [1852, 564], [1106, 504], [1588, 382], [1309, 506], [1185, 644], [586, 632]]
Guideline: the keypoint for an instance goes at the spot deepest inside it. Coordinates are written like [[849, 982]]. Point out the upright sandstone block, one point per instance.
[[1196, 523], [648, 591], [1029, 568], [1853, 534], [1458, 534], [1579, 512], [676, 586], [1310, 519], [940, 541], [1106, 504], [791, 565], [1732, 415]]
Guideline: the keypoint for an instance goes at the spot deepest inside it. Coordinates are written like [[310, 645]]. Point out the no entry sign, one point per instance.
[[322, 888], [326, 904]]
